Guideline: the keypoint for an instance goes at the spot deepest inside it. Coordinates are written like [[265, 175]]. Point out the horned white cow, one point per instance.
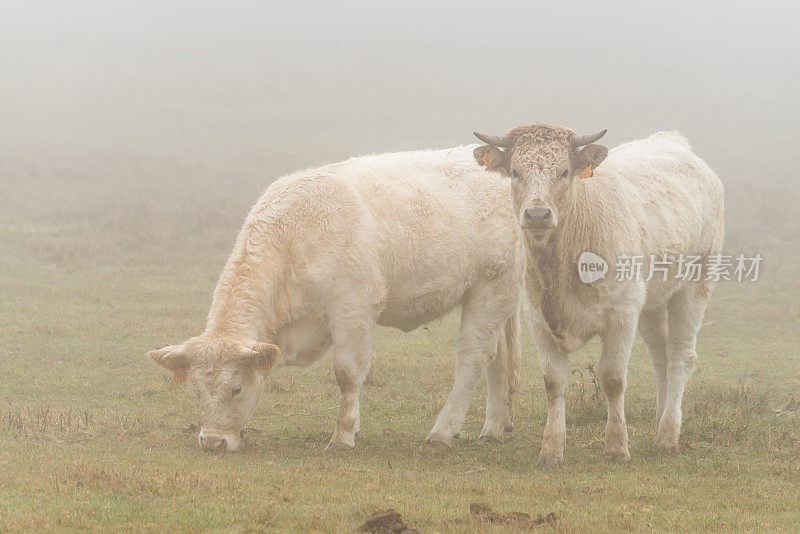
[[650, 198], [326, 254]]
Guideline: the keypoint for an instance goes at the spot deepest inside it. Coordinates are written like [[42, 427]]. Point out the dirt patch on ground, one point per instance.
[[481, 514], [386, 522]]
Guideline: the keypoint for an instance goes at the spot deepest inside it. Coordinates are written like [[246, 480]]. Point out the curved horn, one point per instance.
[[492, 140], [582, 140]]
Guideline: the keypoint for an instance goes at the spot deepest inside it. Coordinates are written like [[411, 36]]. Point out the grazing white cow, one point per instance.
[[650, 198], [326, 254]]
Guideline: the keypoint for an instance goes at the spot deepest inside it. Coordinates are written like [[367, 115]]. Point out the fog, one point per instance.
[[125, 96], [135, 135]]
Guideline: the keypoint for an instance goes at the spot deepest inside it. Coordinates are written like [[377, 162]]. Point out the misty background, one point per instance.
[[134, 137], [138, 133]]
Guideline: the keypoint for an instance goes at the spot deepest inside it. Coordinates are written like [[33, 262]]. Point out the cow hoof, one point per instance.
[[550, 460], [618, 458], [338, 446], [509, 428], [436, 440]]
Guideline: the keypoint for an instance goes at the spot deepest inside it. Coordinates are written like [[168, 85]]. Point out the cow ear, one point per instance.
[[492, 158], [265, 355], [173, 358], [588, 158]]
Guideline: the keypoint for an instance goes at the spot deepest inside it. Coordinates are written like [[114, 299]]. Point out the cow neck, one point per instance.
[[251, 301], [544, 261]]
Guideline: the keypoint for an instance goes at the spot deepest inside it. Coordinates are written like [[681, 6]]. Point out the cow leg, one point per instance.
[[653, 329], [684, 317], [555, 369], [613, 373], [482, 317], [352, 354]]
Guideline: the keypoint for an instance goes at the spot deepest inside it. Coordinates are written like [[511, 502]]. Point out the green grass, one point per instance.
[[94, 436]]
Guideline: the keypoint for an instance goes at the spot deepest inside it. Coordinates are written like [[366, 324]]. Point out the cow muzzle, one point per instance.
[[538, 219], [218, 441], [538, 223]]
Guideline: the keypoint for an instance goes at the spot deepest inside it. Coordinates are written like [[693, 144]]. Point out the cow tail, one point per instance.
[[513, 354]]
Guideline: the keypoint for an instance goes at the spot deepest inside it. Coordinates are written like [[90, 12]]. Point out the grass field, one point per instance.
[[137, 134], [94, 273]]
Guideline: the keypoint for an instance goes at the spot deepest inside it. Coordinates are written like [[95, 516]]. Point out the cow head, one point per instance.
[[543, 162], [227, 379]]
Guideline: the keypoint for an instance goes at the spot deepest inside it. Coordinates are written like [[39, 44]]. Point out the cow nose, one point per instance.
[[212, 443], [538, 217]]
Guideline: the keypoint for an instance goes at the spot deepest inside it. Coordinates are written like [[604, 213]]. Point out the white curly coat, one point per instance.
[[326, 254], [651, 197]]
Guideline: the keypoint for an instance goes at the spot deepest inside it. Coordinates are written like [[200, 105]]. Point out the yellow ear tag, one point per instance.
[[587, 172], [179, 377], [486, 161], [267, 366]]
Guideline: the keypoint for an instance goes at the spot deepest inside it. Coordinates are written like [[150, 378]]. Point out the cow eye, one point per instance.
[[235, 391], [565, 173], [515, 174]]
